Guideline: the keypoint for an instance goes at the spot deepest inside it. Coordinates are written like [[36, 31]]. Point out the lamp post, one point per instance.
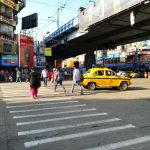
[[44, 39]]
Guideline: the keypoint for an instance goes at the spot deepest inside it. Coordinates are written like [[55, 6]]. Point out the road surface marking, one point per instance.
[[59, 119], [54, 113], [42, 104], [123, 143], [51, 108], [48, 99], [77, 135], [67, 126]]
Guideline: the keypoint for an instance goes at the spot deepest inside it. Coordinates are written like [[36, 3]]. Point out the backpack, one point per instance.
[[59, 76], [81, 75]]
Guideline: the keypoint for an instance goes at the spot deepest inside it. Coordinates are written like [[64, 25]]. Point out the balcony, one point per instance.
[[7, 21], [7, 38], [6, 14]]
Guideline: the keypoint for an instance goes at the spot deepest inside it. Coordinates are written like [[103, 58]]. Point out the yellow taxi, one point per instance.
[[104, 77], [134, 75]]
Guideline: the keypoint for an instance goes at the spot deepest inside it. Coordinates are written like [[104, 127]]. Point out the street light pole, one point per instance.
[[44, 40], [136, 58], [58, 18]]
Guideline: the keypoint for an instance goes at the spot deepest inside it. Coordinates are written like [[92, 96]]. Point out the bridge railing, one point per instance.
[[72, 24]]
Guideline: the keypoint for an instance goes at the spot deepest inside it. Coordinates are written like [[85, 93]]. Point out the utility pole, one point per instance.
[[58, 15]]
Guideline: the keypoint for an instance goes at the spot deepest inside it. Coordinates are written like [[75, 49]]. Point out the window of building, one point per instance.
[[6, 30], [6, 11]]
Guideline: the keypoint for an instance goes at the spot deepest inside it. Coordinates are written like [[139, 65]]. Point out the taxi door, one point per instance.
[[111, 78], [100, 78]]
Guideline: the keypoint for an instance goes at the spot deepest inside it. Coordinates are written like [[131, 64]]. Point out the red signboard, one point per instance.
[[26, 51]]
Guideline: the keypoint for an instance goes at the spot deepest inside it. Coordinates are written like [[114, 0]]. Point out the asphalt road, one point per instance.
[[104, 119]]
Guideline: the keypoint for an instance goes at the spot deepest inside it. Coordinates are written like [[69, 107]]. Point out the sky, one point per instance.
[[47, 14]]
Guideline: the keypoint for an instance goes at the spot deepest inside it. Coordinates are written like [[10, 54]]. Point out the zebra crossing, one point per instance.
[[65, 123], [24, 116]]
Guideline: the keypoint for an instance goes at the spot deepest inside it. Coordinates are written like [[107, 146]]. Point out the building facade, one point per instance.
[[8, 22], [9, 58]]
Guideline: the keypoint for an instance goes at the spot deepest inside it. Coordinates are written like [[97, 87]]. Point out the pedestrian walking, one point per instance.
[[76, 80], [18, 76], [58, 78], [34, 81], [44, 75]]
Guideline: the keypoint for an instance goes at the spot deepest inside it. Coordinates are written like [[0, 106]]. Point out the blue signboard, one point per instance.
[[9, 60], [35, 46]]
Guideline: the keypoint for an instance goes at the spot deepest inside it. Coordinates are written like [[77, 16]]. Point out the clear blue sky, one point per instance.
[[48, 8]]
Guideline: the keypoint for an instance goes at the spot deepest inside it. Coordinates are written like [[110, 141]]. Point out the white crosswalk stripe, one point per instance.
[[67, 126], [54, 113], [42, 104], [58, 119], [48, 108], [123, 143], [21, 101], [72, 136]]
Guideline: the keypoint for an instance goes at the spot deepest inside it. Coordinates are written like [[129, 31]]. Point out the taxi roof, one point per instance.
[[97, 68]]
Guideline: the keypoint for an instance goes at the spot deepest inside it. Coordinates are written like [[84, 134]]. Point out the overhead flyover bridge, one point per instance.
[[105, 24]]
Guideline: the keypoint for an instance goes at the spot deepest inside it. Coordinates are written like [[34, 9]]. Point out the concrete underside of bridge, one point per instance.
[[108, 33]]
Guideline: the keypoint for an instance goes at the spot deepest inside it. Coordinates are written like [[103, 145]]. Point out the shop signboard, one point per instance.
[[48, 52], [35, 47], [10, 4], [26, 51], [70, 63], [40, 61], [9, 60]]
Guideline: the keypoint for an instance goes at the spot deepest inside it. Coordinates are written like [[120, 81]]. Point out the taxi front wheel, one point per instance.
[[92, 86], [123, 86]]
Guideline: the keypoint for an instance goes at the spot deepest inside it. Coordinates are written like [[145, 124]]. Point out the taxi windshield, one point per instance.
[[87, 72]]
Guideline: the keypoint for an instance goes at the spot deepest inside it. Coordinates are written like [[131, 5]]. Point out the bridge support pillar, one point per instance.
[[89, 60]]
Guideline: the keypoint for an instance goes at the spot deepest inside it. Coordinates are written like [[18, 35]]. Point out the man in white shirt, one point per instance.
[[18, 76], [76, 80], [44, 74]]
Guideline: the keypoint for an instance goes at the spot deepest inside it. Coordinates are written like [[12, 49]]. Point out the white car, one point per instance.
[[122, 73]]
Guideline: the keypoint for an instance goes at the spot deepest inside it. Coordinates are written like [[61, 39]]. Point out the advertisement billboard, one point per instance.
[[35, 47], [26, 51], [30, 21], [9, 60], [40, 61], [48, 52]]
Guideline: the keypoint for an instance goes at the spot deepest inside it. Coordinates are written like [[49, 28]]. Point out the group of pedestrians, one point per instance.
[[58, 78]]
